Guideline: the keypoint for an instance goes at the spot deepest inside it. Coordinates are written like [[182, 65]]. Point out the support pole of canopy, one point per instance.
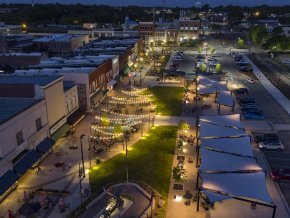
[[219, 109], [197, 151], [274, 211], [197, 202], [197, 177]]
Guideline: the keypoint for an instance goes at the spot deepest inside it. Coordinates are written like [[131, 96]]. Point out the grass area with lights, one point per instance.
[[149, 161], [168, 99]]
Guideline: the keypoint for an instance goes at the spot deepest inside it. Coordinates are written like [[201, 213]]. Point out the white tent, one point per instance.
[[225, 98], [206, 90], [217, 161], [243, 185], [239, 145], [224, 120], [208, 130]]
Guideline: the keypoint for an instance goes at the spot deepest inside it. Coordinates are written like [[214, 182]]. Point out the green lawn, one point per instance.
[[169, 99], [149, 161]]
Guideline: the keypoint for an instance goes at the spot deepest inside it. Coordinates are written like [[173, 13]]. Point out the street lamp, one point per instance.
[[81, 137], [126, 136]]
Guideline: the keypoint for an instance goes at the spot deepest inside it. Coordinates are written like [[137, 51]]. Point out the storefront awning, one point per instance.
[[27, 162], [7, 180], [45, 145], [60, 132]]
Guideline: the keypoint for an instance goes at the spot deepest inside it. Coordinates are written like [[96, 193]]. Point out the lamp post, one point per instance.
[[126, 136], [82, 152], [81, 188]]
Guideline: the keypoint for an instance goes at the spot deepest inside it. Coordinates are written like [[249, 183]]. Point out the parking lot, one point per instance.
[[271, 109]]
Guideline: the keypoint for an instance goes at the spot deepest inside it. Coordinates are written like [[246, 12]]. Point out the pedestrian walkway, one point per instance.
[[277, 95]]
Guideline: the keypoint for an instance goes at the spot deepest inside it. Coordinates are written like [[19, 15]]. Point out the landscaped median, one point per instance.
[[168, 99], [149, 161]]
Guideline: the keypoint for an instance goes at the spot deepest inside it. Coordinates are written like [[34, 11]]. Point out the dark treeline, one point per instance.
[[78, 13]]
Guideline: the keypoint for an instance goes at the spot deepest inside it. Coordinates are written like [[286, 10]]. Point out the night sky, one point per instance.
[[182, 3]]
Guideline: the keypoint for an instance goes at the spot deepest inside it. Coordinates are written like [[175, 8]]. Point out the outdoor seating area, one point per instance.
[[238, 176]]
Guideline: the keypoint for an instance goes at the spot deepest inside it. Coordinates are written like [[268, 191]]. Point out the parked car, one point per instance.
[[280, 174], [241, 91], [264, 137], [247, 101], [271, 145], [246, 69], [252, 110], [254, 116]]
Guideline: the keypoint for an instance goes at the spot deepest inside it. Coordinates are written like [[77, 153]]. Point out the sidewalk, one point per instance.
[[277, 95]]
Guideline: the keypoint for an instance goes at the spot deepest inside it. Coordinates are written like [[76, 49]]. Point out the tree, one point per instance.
[[179, 174], [218, 68], [105, 120], [277, 31], [183, 125], [241, 43], [212, 50], [199, 50], [202, 67], [257, 34]]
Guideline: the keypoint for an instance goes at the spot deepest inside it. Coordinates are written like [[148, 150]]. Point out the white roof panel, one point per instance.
[[239, 145], [208, 130], [245, 185], [224, 120], [217, 161]]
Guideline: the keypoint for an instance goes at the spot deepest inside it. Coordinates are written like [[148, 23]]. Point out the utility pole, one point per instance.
[[81, 188], [82, 152]]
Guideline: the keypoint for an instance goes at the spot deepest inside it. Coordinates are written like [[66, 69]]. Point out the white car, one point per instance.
[[250, 80], [271, 145]]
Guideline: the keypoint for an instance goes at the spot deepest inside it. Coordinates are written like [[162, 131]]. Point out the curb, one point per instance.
[[281, 195]]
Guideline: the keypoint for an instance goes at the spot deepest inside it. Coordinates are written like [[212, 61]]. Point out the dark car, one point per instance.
[[246, 69], [280, 174], [252, 110], [247, 101], [241, 91], [266, 137]]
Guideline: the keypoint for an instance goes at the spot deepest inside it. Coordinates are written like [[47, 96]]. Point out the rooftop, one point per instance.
[[33, 80], [54, 71], [11, 107], [57, 37], [68, 85]]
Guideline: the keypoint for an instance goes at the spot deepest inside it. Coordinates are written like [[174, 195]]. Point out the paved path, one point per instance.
[[277, 95]]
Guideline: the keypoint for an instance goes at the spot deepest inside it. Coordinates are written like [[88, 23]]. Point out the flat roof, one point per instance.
[[33, 80], [68, 85], [55, 71], [57, 38], [10, 107]]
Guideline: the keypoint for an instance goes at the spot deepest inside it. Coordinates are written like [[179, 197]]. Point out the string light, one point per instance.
[[135, 98], [125, 115], [108, 133], [145, 101]]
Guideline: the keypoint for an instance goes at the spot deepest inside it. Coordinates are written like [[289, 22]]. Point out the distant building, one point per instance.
[[16, 43], [60, 43], [9, 29], [188, 29], [20, 59], [90, 26]]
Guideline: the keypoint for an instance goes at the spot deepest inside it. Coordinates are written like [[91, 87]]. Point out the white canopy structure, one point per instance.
[[240, 146], [208, 130], [225, 98], [224, 120], [243, 185], [206, 90], [213, 161]]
